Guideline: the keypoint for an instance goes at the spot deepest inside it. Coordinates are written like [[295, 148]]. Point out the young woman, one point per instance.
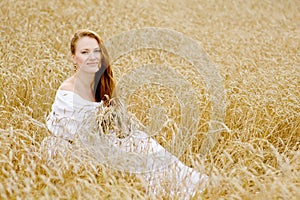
[[89, 89]]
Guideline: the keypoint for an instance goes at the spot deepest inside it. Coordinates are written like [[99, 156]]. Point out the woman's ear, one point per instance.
[[73, 59]]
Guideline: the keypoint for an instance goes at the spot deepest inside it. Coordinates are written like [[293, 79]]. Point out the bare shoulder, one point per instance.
[[68, 85]]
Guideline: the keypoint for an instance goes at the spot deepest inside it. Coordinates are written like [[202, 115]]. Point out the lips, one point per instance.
[[95, 63]]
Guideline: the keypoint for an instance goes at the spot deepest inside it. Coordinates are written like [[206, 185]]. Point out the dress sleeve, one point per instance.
[[67, 115]]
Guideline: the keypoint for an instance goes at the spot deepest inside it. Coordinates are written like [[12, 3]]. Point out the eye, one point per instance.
[[97, 51], [84, 52]]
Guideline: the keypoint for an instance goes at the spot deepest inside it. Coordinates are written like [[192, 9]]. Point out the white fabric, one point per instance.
[[67, 120]]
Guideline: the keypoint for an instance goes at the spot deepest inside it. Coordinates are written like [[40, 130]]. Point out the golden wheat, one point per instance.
[[255, 46]]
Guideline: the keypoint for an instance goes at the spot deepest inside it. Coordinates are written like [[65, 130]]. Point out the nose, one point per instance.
[[92, 56]]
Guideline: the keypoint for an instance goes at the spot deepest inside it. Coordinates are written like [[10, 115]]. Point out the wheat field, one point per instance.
[[255, 46]]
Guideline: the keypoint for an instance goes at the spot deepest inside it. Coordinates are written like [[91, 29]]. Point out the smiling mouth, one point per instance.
[[93, 63]]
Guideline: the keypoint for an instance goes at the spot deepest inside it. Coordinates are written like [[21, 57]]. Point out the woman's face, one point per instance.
[[87, 55]]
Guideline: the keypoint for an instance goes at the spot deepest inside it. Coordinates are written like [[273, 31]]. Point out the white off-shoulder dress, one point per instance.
[[74, 117]]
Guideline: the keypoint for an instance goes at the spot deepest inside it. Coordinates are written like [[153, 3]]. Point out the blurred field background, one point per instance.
[[254, 44]]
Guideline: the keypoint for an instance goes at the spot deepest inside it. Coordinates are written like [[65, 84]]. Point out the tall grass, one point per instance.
[[255, 46]]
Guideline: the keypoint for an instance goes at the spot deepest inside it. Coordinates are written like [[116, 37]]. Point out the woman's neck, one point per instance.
[[84, 84]]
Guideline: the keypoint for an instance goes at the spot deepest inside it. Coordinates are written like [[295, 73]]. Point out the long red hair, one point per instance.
[[104, 81]]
